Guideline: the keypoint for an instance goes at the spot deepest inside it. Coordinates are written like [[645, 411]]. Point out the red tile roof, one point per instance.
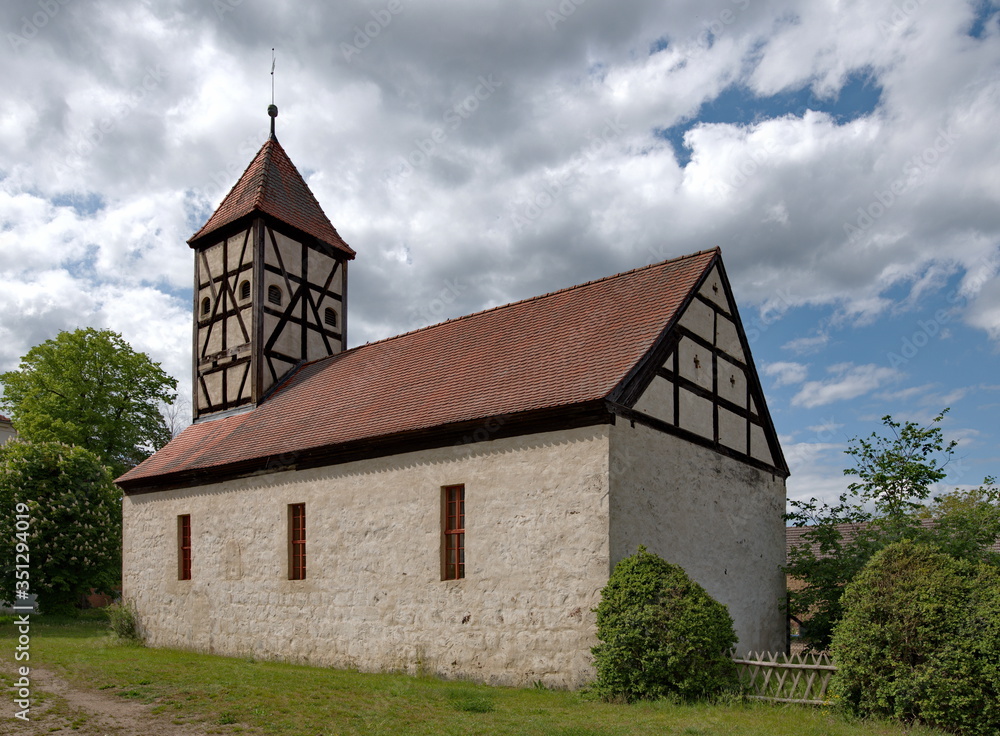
[[558, 350], [4, 419], [271, 184]]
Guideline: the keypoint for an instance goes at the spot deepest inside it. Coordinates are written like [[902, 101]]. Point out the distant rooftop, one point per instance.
[[794, 535]]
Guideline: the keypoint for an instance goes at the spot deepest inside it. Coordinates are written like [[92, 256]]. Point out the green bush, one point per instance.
[[661, 634], [920, 641], [124, 621]]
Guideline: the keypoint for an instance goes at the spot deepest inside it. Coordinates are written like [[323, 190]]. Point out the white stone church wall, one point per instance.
[[718, 518], [537, 558]]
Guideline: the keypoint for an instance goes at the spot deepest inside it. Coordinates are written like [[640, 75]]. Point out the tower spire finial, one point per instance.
[[272, 109]]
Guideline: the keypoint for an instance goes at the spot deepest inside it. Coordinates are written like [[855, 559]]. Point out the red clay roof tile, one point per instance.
[[557, 350], [271, 184]]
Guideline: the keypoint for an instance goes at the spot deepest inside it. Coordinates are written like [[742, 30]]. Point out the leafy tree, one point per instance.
[[661, 634], [895, 472], [966, 522], [72, 534], [919, 640], [89, 388]]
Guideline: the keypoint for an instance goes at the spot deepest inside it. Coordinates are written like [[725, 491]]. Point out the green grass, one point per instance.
[[229, 694]]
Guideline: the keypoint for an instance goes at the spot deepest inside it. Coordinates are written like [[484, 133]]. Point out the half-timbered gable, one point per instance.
[[706, 389]]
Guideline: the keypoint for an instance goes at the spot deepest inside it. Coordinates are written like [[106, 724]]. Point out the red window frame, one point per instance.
[[184, 547], [453, 562], [297, 541]]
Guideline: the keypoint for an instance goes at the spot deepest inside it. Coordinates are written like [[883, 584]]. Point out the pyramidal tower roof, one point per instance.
[[271, 184]]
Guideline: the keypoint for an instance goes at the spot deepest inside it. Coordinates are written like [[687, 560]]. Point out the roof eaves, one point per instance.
[[580, 414]]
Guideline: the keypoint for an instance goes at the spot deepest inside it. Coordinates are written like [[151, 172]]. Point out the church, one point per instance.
[[452, 500]]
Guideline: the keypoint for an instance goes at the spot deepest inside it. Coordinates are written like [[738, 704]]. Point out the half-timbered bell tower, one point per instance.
[[270, 285]]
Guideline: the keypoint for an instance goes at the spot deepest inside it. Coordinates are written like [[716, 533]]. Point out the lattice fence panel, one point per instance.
[[782, 678]]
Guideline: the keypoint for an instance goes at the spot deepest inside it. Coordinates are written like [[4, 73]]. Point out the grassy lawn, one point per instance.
[[233, 695]]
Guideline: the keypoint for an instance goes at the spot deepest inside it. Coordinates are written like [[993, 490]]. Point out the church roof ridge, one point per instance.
[[526, 300]]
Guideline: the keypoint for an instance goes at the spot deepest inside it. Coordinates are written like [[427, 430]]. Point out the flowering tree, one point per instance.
[[61, 516]]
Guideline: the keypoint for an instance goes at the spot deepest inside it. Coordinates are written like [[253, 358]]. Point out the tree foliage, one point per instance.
[[919, 640], [661, 634], [72, 536], [90, 388], [886, 504]]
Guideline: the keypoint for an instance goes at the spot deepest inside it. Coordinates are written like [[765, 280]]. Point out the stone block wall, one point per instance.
[[537, 546]]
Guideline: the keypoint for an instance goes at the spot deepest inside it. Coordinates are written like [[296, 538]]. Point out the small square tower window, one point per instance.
[[330, 317], [206, 306], [245, 290], [274, 294]]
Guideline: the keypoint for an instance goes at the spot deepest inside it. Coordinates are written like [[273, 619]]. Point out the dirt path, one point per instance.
[[61, 708]]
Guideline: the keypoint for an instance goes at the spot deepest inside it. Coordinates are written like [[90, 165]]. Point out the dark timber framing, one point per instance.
[[249, 362], [666, 350]]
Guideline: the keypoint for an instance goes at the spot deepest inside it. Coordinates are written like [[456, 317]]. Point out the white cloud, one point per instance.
[[807, 345], [984, 312], [849, 381], [787, 373], [816, 471]]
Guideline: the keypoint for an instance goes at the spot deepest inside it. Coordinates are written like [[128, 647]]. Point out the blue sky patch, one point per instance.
[[738, 105], [195, 216], [84, 204], [928, 346], [985, 13]]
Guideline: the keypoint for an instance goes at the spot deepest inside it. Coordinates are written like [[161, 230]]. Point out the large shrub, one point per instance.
[[61, 516], [661, 634], [920, 640]]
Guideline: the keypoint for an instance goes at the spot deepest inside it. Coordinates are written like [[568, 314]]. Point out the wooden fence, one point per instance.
[[783, 678]]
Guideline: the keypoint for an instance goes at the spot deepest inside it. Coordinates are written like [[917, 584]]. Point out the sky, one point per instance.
[[844, 156]]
